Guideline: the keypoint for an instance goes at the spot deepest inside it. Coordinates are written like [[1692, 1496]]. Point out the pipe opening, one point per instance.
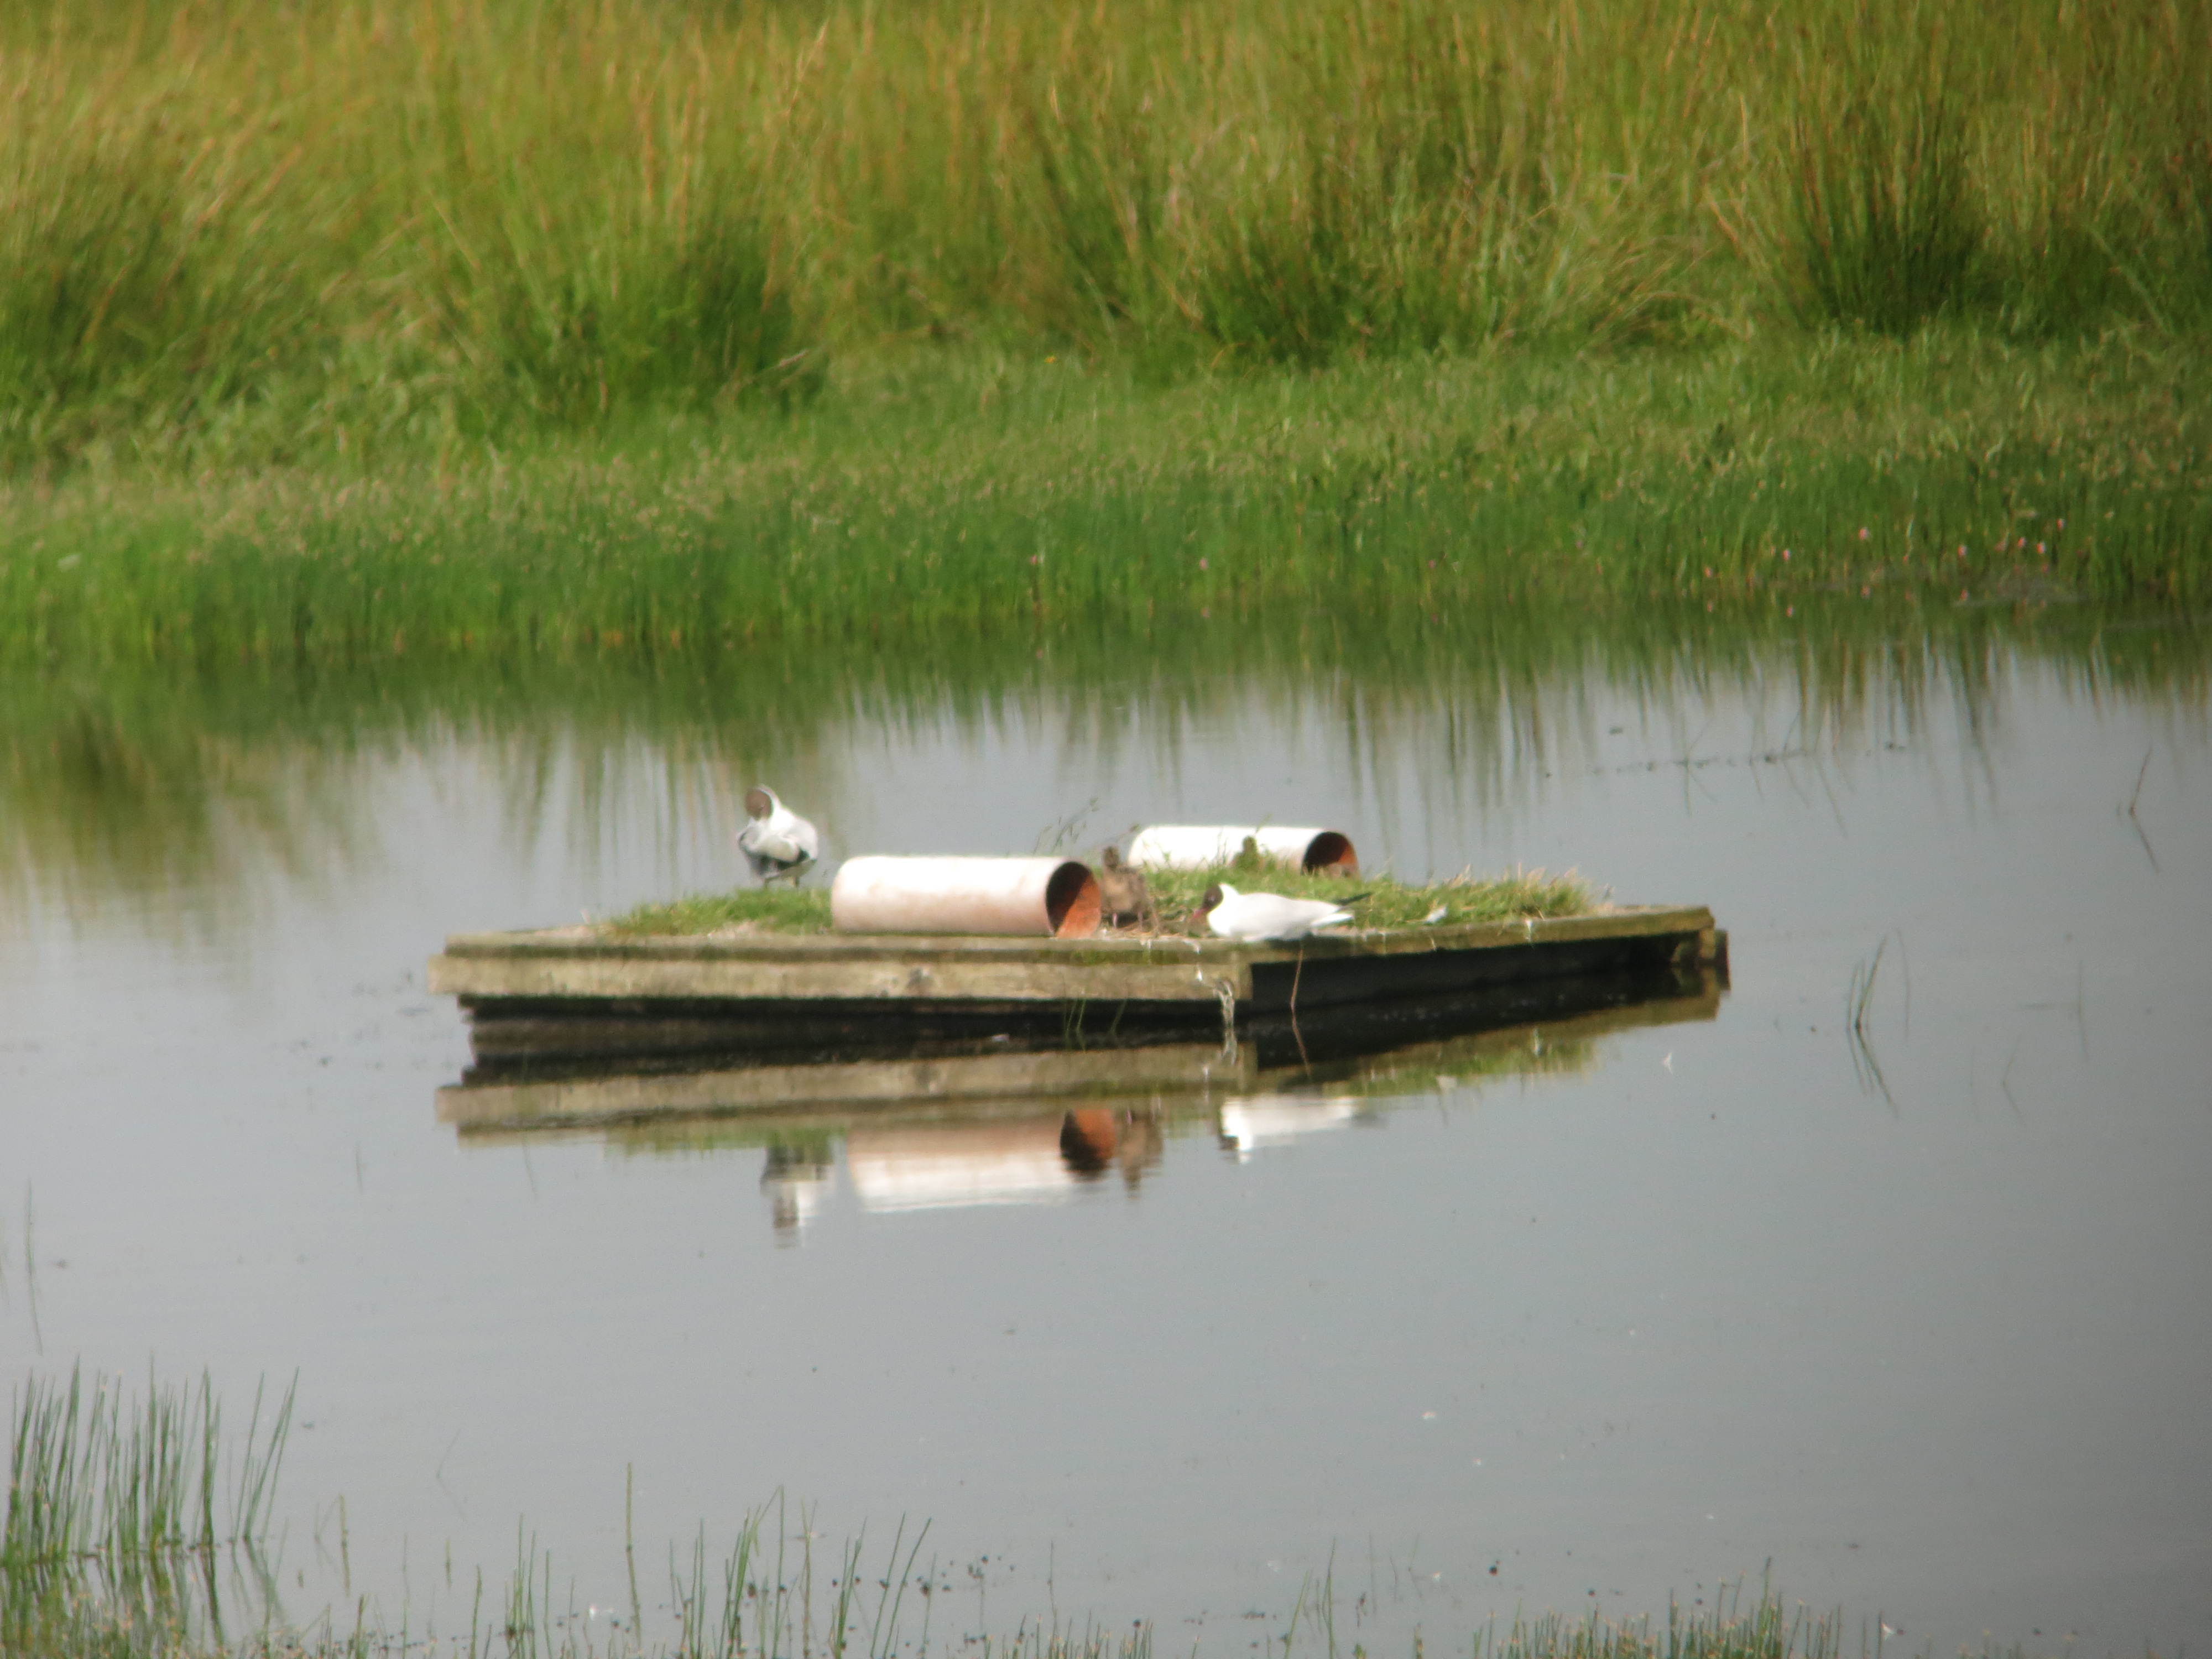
[[1330, 853], [1088, 1138], [1070, 901]]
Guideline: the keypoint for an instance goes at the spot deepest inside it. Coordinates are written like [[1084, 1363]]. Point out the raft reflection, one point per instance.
[[996, 1126]]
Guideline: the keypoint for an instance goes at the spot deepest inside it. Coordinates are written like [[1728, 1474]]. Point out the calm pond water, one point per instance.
[[1918, 1326]]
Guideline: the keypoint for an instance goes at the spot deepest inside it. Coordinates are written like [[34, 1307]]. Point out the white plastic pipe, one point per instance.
[[880, 895], [1202, 847]]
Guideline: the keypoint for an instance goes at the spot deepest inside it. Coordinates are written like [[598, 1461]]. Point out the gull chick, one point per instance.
[[1232, 915], [1122, 892], [777, 842]]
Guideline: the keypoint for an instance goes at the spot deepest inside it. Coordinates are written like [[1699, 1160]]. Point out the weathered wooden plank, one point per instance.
[[573, 992], [532, 974], [588, 942], [1336, 1048], [1042, 1077]]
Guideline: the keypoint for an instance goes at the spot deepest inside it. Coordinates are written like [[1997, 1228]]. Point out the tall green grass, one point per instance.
[[348, 226], [977, 495], [92, 1477], [126, 1518]]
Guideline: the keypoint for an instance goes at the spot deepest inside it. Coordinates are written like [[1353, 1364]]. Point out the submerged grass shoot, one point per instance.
[[78, 1463], [92, 1476], [125, 1518]]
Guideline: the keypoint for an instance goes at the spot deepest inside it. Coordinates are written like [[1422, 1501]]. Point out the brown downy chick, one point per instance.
[[1123, 897]]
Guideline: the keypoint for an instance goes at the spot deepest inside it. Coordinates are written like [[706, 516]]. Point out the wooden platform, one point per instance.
[[577, 992], [728, 1103]]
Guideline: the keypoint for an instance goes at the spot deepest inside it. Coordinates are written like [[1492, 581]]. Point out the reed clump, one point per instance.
[[128, 1520], [110, 1538], [352, 228]]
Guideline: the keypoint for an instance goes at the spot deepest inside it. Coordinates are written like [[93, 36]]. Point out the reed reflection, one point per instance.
[[185, 798]]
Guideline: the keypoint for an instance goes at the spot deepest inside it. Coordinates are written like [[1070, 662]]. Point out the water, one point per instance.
[[1915, 1325]]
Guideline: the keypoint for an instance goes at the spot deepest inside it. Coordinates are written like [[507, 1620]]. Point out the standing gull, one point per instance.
[[1232, 915], [777, 842]]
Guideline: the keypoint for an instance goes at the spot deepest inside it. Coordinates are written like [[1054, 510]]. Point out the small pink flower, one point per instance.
[[1785, 554], [1865, 535], [1202, 564], [2040, 548]]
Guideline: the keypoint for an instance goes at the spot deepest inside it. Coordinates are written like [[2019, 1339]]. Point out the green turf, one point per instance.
[[1382, 901]]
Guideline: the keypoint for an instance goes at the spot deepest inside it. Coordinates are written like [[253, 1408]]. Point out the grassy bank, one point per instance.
[[952, 498], [340, 227]]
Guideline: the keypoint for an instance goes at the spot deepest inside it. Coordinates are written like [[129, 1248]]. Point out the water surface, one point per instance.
[[1917, 1320]]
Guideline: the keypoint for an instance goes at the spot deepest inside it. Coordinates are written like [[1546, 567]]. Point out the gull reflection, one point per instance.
[[1258, 1120], [796, 1180]]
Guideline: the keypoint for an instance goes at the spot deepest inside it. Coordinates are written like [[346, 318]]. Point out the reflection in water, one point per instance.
[[947, 1165], [1024, 1161], [954, 1132], [201, 792], [1277, 1119], [796, 1180], [1744, 1310]]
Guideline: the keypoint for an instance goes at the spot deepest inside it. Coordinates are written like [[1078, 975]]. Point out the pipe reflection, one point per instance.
[[902, 1135]]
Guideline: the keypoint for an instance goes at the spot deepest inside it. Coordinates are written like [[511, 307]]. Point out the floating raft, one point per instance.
[[577, 992], [757, 1101]]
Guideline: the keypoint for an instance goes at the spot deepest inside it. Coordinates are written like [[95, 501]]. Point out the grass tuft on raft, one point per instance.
[[1176, 893], [750, 911]]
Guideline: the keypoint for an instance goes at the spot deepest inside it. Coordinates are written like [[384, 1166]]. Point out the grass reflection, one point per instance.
[[176, 796]]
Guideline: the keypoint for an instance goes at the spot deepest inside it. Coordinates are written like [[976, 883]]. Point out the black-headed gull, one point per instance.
[[1232, 915], [777, 842]]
